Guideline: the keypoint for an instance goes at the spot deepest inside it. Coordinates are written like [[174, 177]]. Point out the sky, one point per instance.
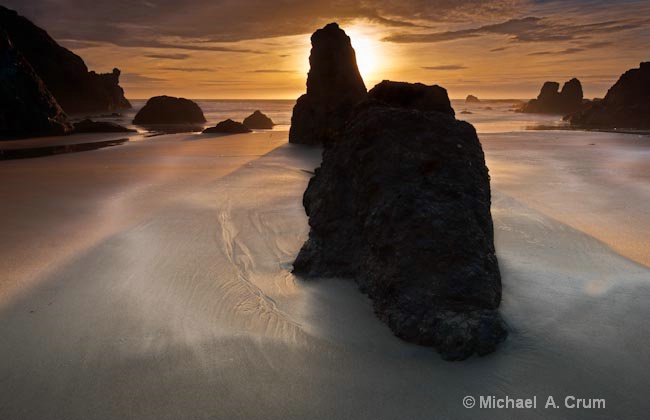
[[259, 49]]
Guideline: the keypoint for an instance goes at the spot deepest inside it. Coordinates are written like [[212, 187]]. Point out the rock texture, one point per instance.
[[626, 105], [472, 99], [401, 202], [65, 74], [257, 120], [552, 101], [228, 127], [334, 87], [412, 96], [90, 126], [27, 108], [169, 110]]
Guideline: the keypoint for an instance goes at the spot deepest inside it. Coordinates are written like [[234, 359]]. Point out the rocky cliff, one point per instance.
[[552, 101], [64, 73]]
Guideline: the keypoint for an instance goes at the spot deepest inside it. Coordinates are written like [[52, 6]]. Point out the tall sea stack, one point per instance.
[[334, 87], [552, 101], [64, 73], [401, 203]]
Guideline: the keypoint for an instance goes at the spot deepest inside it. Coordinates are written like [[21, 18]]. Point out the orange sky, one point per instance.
[[259, 49]]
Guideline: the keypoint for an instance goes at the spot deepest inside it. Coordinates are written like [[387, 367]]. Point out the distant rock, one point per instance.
[[412, 96], [90, 126], [334, 87], [550, 101], [257, 120], [65, 74], [471, 99], [401, 203], [169, 110], [27, 108], [228, 127], [626, 105]]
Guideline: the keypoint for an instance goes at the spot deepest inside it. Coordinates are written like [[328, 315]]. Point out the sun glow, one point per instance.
[[366, 43]]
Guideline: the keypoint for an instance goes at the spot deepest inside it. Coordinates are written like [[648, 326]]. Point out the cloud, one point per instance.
[[445, 67], [135, 78], [188, 69], [528, 29], [272, 71], [170, 56]]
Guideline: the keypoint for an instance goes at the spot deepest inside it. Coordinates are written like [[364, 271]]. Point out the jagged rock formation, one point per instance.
[[401, 202], [169, 110], [27, 108], [626, 105], [412, 96], [472, 99], [257, 120], [228, 127], [550, 101], [65, 74], [334, 87], [90, 126]]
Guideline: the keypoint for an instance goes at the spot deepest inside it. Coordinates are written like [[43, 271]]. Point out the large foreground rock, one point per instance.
[[626, 105], [334, 87], [65, 74], [412, 96], [169, 110], [258, 120], [550, 101], [27, 108], [402, 203]]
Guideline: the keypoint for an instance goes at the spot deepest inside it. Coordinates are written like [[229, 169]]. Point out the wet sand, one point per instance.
[[150, 281]]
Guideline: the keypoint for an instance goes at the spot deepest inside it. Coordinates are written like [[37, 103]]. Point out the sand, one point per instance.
[[150, 281]]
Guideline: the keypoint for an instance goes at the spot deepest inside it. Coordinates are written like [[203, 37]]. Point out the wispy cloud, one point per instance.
[[445, 67], [170, 56]]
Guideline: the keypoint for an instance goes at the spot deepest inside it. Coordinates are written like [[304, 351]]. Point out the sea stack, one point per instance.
[[401, 203], [552, 101], [334, 87], [64, 73], [257, 120], [626, 105], [471, 99], [169, 110], [27, 108]]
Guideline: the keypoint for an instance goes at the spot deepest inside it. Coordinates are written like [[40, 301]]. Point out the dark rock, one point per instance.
[[258, 120], [169, 110], [90, 126], [412, 96], [626, 105], [472, 99], [401, 203], [228, 127], [550, 101], [334, 87], [27, 108], [64, 73]]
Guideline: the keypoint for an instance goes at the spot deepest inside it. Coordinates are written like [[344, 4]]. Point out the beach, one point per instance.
[[151, 280]]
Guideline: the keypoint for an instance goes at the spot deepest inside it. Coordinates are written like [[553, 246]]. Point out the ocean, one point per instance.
[[488, 116]]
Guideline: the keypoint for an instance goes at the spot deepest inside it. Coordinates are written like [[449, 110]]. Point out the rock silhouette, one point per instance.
[[258, 120], [412, 96], [472, 99], [90, 126], [401, 203], [64, 73], [169, 110], [550, 101], [334, 87], [626, 105], [228, 127], [27, 108]]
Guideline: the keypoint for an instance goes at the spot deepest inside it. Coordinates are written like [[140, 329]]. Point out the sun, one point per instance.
[[367, 47]]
